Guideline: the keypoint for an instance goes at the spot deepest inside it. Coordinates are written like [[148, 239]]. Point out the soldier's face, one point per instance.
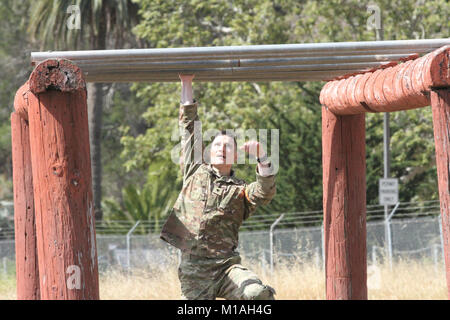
[[223, 150]]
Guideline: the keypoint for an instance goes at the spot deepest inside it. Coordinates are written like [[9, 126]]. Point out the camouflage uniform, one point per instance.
[[205, 221]]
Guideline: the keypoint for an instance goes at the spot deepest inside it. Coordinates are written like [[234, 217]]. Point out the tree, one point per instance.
[[104, 24], [292, 107], [14, 63], [147, 204]]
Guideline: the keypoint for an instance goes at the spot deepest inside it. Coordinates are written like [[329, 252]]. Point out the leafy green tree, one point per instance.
[[142, 123], [147, 204], [292, 107], [14, 63]]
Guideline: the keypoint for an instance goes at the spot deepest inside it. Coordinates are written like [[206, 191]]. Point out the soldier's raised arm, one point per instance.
[[263, 189], [190, 129]]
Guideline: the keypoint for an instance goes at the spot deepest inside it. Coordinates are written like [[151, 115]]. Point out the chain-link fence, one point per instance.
[[411, 238]]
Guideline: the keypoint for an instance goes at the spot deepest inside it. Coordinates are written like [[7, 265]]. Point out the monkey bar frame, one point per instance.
[[49, 134]]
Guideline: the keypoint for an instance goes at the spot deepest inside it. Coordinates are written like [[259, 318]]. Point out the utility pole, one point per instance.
[[379, 33]]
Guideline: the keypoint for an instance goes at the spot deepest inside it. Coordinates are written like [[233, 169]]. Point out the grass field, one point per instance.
[[407, 280]]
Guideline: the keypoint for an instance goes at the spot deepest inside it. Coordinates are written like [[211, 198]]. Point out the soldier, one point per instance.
[[212, 205]]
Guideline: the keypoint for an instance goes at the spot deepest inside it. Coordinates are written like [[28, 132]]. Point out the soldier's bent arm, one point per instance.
[[259, 192]]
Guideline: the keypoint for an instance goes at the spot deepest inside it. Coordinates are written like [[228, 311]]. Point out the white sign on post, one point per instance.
[[388, 191]]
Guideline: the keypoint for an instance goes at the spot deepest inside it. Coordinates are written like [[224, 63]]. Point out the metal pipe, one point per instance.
[[174, 75], [240, 63], [253, 78], [388, 232], [262, 69], [122, 59], [224, 75], [271, 240], [248, 51], [393, 211], [129, 246], [174, 78], [263, 261], [223, 79], [386, 136], [91, 65]]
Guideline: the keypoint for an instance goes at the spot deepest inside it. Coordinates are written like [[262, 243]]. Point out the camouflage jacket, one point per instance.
[[210, 208]]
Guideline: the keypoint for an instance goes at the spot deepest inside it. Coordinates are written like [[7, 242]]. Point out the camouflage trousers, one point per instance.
[[204, 278]]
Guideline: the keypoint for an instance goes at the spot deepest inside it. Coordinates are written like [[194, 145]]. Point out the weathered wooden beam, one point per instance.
[[401, 87], [61, 165], [440, 105], [344, 205], [27, 270]]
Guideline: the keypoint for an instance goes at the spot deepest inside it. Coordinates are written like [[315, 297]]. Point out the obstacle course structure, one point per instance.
[[56, 256], [55, 231], [413, 84]]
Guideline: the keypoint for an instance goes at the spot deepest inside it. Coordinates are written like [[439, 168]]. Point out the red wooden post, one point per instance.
[[59, 140], [440, 105], [27, 272], [400, 87], [344, 205]]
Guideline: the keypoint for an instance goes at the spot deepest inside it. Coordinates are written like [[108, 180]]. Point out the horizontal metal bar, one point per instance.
[[246, 70], [174, 75], [217, 79], [330, 48], [241, 63], [94, 65], [275, 76], [124, 59], [352, 56], [298, 73]]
